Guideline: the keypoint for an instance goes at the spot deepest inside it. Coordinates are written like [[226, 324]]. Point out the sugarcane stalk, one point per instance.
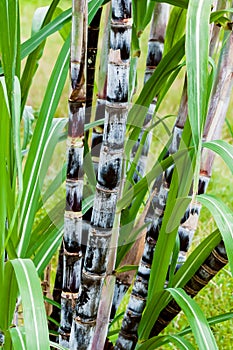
[[221, 4], [214, 122], [108, 179], [97, 133], [216, 115], [92, 42], [72, 256], [128, 334], [154, 56], [211, 266]]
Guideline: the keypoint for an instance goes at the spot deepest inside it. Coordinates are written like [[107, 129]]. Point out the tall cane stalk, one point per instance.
[[72, 254], [213, 128], [97, 133], [215, 119], [154, 56], [128, 334], [211, 266], [108, 179]]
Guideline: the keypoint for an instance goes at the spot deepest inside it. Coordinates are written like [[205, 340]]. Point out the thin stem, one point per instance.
[[72, 256]]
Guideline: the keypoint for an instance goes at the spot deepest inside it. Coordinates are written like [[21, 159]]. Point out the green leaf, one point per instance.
[[180, 3], [18, 338], [31, 44], [57, 346], [197, 53], [126, 268], [65, 30], [28, 119], [9, 294], [156, 342], [41, 137], [201, 330], [229, 127], [17, 144], [52, 302], [186, 271], [223, 217], [35, 322], [223, 149], [196, 259], [9, 34], [216, 15], [48, 249], [4, 178], [93, 6], [175, 28], [42, 16], [152, 88], [212, 321]]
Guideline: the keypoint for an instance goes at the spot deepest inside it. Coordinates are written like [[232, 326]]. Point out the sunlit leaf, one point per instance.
[[201, 330], [223, 217]]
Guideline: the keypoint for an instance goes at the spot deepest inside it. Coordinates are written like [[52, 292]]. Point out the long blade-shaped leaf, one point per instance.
[[156, 342], [41, 134], [8, 294], [223, 217], [18, 338], [31, 44], [197, 39], [47, 250], [223, 149], [196, 318], [35, 321], [4, 178], [9, 41], [32, 60], [180, 3]]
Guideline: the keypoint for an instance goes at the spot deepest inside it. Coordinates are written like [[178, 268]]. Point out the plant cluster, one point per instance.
[[132, 203]]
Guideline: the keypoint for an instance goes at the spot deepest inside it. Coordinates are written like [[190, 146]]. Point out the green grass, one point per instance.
[[216, 298]]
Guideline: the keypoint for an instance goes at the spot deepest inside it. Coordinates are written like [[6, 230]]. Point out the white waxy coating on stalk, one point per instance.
[[73, 229], [108, 179], [77, 34], [114, 127], [118, 81], [104, 208], [120, 39]]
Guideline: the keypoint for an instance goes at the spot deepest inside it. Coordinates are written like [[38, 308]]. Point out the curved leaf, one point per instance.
[[93, 6], [41, 138], [42, 16], [223, 217], [48, 249], [155, 342], [18, 338], [180, 3], [35, 322], [223, 149], [197, 320], [31, 44]]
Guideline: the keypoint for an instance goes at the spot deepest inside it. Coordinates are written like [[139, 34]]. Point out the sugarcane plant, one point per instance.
[[133, 192]]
